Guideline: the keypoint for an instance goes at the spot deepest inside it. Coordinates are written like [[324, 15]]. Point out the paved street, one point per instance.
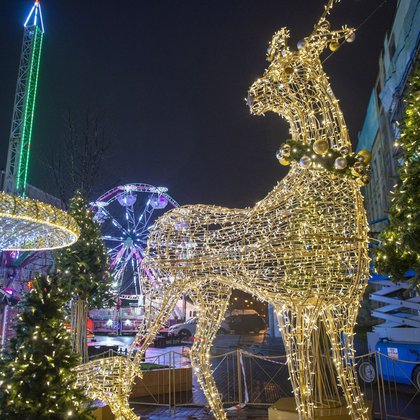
[[264, 379], [223, 368]]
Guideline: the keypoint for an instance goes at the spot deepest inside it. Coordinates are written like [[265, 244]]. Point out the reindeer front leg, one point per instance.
[[122, 410], [340, 324], [297, 324], [109, 380], [212, 301]]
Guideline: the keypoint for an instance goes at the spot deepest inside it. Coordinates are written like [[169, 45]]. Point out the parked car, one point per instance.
[[184, 330], [246, 323], [394, 362], [240, 323]]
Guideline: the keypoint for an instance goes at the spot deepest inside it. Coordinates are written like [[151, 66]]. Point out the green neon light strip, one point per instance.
[[35, 87], [29, 113]]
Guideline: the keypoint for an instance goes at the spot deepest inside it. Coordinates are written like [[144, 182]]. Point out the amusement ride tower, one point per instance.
[[24, 107], [16, 267]]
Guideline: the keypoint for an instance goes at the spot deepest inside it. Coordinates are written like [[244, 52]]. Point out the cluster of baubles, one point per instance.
[[319, 156]]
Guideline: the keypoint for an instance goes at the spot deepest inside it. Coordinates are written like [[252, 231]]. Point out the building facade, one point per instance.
[[380, 128]]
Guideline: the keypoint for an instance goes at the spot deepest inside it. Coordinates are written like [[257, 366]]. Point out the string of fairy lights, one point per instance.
[[302, 249]]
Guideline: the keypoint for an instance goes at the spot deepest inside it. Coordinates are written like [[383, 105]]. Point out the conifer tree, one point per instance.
[[83, 271], [400, 244], [36, 378]]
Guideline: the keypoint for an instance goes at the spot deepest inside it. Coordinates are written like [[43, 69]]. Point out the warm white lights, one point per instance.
[[303, 248], [30, 225]]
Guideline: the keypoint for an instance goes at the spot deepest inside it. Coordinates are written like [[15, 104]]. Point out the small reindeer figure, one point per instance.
[[303, 248]]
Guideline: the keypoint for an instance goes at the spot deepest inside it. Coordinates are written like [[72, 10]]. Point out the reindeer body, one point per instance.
[[296, 249], [274, 247], [302, 249]]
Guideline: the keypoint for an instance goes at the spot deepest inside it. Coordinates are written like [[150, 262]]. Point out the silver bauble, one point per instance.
[[359, 167], [340, 163], [305, 162], [351, 37], [301, 44], [344, 150]]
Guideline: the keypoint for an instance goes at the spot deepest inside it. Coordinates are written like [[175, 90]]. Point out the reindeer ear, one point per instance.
[[278, 45]]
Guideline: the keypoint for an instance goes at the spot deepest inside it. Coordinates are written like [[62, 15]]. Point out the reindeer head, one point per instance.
[[296, 87]]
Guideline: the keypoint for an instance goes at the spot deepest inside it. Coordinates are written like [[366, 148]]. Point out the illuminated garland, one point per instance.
[[399, 250], [31, 225], [340, 162]]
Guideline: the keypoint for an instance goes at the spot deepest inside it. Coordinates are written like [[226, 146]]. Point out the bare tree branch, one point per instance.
[[79, 162]]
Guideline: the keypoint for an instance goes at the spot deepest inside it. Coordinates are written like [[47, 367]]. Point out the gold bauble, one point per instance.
[[320, 147], [365, 179], [367, 156], [333, 46], [284, 162], [355, 173]]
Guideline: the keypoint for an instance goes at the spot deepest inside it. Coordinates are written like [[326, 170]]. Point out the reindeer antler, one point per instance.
[[323, 19], [323, 35]]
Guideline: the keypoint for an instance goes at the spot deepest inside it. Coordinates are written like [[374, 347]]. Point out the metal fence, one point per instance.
[[392, 384], [253, 380]]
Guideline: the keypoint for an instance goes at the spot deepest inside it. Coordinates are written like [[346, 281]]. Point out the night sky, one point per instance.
[[168, 81]]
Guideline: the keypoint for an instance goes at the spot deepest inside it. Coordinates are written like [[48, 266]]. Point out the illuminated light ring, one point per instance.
[[30, 225], [126, 214]]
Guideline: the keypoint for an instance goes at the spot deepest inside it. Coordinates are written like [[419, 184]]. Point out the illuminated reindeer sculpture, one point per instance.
[[303, 248]]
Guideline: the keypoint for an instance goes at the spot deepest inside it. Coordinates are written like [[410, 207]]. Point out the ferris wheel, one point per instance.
[[126, 215]]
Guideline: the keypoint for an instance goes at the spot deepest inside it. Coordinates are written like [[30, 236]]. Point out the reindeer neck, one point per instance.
[[318, 119], [308, 180]]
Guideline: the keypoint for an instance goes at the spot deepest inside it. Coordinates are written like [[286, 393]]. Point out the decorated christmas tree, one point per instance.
[[83, 272], [36, 379], [400, 244]]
